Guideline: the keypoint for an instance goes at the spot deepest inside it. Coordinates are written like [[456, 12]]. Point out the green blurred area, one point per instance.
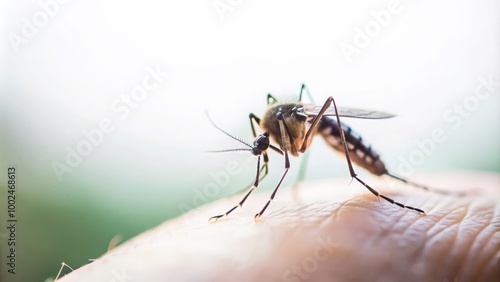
[[73, 220], [70, 229]]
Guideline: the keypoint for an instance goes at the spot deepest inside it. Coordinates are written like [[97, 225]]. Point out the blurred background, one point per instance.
[[102, 109]]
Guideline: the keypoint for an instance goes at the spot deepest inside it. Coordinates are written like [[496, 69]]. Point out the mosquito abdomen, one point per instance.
[[361, 153]]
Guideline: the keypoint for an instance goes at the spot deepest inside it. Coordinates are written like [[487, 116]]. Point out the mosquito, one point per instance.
[[292, 126]]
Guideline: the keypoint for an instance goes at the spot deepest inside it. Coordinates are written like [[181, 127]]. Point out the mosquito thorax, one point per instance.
[[294, 117], [291, 112], [294, 110], [299, 113]]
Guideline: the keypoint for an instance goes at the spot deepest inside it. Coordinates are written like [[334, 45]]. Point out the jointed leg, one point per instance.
[[353, 174], [302, 89], [301, 176], [254, 118], [287, 164], [263, 173], [254, 186], [314, 123]]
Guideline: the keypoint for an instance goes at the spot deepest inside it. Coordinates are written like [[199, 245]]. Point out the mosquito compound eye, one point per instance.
[[261, 143], [256, 151]]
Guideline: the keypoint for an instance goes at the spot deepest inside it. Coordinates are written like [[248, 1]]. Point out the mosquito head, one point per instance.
[[260, 144]]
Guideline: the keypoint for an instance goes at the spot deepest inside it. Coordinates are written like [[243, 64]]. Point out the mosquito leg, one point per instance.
[[306, 141], [287, 163], [257, 216], [353, 174], [271, 99], [435, 190], [314, 123], [302, 89], [214, 219], [305, 158], [263, 173], [301, 176], [254, 118]]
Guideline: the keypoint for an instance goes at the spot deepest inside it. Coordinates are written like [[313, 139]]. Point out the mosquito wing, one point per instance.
[[313, 110]]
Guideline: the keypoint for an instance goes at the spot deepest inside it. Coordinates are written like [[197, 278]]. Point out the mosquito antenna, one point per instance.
[[223, 131], [230, 150]]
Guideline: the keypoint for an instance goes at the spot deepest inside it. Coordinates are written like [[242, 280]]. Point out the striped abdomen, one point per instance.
[[361, 153]]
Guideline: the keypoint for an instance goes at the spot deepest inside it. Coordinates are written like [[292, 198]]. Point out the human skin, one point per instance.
[[324, 231]]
